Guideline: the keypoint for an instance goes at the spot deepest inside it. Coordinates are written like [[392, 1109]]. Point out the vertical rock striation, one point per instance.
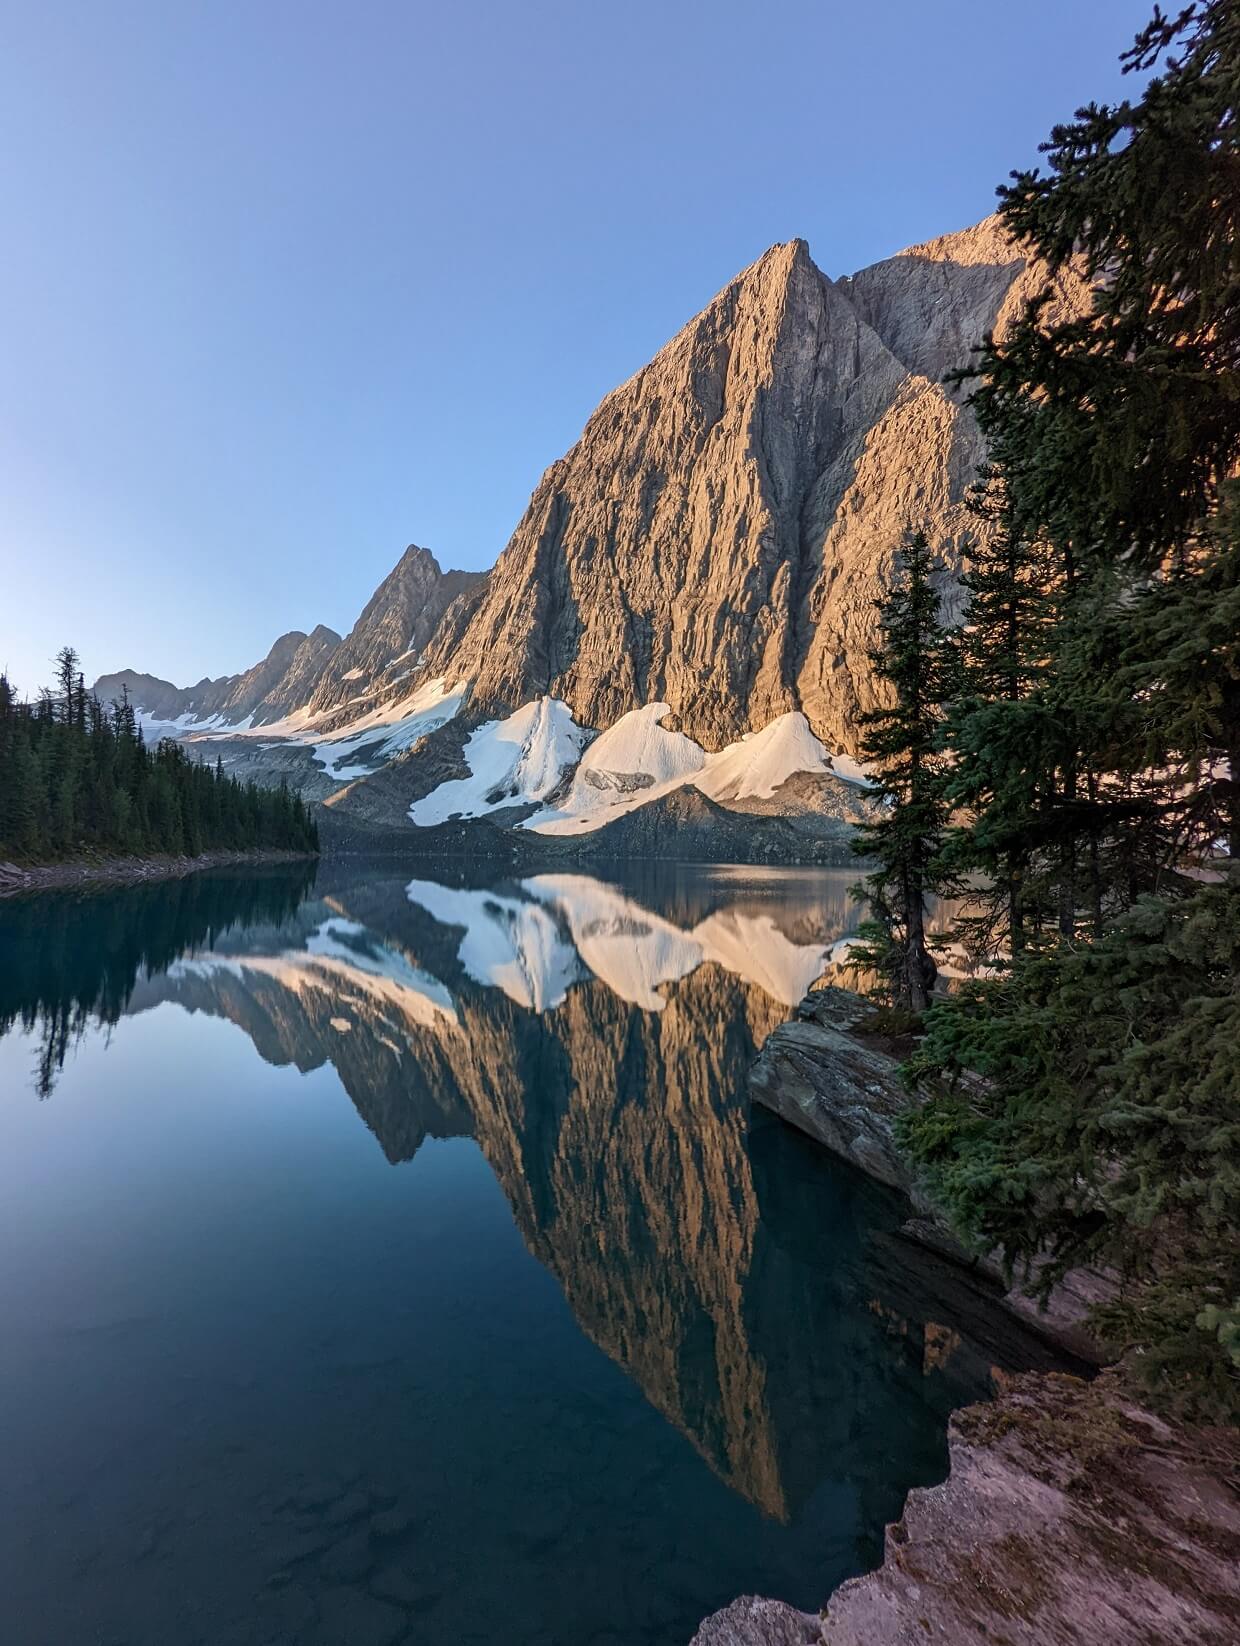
[[719, 534]]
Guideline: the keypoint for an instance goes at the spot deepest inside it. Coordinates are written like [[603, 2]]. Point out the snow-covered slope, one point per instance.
[[345, 748], [384, 732], [637, 761], [754, 767], [512, 762]]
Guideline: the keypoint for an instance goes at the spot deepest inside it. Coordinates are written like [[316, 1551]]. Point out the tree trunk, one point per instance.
[[1067, 869], [919, 967], [1016, 908], [1231, 804]]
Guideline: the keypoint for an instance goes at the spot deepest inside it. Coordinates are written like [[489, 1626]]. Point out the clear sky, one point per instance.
[[287, 285]]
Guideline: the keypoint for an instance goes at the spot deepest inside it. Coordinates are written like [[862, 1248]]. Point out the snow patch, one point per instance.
[[387, 731], [852, 771], [756, 766], [637, 761], [511, 762]]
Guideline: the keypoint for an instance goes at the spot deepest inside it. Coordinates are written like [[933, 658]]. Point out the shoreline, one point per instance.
[[25, 880], [1069, 1511]]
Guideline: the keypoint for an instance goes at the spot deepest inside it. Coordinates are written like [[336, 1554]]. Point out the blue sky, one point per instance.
[[287, 286]]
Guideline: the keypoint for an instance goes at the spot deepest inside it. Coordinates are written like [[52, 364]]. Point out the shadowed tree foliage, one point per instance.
[[1085, 1105], [68, 962]]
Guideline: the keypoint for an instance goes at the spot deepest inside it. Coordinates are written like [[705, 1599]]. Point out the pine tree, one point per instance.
[[903, 745], [67, 673]]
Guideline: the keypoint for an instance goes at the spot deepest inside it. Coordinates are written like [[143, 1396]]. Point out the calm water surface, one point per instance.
[[397, 1261]]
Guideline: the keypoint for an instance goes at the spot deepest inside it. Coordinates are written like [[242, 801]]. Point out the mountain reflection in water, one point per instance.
[[591, 1039]]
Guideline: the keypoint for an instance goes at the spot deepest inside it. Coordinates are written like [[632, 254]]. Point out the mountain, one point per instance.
[[392, 632], [289, 668], [313, 674], [718, 535], [706, 559]]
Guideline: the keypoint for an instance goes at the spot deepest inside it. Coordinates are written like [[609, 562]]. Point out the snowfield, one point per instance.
[[511, 762], [387, 731], [539, 756], [637, 761], [351, 751]]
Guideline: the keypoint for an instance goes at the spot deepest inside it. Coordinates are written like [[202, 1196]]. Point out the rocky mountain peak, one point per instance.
[[717, 537], [715, 541]]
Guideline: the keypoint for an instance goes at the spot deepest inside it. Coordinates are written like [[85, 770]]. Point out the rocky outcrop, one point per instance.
[[843, 1090], [1070, 1515]]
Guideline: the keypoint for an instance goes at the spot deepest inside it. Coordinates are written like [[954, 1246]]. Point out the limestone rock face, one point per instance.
[[1070, 1515], [718, 536], [816, 1074]]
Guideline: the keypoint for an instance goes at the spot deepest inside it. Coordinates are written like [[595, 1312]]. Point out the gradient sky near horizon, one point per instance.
[[288, 284]]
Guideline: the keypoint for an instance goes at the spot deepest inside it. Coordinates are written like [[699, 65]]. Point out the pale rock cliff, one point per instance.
[[718, 536]]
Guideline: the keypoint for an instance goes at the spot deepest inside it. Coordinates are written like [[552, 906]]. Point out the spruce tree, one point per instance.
[[1083, 1107], [903, 746]]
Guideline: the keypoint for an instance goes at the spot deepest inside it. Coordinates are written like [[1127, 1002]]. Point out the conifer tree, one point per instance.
[[903, 745], [74, 777], [1103, 1124]]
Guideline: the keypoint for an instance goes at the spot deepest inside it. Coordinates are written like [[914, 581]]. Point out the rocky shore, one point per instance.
[[1069, 1514], [17, 880]]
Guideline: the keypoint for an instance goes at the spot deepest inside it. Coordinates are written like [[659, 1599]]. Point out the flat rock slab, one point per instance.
[[1070, 1517], [818, 1075]]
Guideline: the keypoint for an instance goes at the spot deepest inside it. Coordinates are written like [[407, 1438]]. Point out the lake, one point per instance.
[[389, 1258]]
